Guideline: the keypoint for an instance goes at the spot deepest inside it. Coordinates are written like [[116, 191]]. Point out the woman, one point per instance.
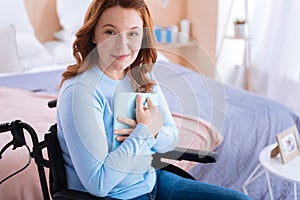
[[115, 52]]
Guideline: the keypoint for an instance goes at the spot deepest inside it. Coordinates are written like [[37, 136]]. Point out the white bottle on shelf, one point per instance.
[[184, 31]]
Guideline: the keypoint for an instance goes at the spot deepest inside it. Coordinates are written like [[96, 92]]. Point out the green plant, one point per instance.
[[239, 21]]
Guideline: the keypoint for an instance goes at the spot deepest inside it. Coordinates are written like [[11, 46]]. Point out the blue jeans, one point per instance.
[[170, 186]]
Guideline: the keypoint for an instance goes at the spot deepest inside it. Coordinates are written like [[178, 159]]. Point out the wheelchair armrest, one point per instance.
[[188, 154]]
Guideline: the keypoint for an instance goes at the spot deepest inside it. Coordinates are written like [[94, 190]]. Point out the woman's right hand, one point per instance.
[[150, 116]]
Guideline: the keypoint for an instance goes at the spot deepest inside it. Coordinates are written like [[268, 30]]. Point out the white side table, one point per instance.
[[289, 171]]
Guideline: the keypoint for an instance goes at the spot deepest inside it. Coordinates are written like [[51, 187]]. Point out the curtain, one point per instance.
[[275, 49]]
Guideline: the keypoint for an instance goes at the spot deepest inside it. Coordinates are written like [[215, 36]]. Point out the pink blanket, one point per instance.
[[32, 108], [195, 133]]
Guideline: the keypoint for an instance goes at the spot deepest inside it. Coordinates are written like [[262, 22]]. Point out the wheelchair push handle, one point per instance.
[[4, 127], [16, 127], [17, 130]]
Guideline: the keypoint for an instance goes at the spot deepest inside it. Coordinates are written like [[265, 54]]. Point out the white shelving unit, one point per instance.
[[247, 47]]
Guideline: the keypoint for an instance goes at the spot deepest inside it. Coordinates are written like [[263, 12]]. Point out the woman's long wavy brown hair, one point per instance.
[[85, 51]]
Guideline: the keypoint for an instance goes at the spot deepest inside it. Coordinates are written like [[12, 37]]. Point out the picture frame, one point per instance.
[[289, 144]]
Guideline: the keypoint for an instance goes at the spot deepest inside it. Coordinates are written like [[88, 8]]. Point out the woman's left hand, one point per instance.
[[122, 134]]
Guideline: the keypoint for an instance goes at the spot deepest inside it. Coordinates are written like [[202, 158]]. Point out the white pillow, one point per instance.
[[61, 51], [31, 51], [14, 12], [65, 36], [9, 61], [71, 16]]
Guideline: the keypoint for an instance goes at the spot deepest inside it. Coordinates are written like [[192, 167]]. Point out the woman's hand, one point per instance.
[[150, 117], [124, 133]]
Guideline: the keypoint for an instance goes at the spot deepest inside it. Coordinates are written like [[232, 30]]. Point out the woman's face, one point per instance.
[[118, 35]]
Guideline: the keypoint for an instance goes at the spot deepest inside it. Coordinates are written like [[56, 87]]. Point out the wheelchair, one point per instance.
[[57, 183]]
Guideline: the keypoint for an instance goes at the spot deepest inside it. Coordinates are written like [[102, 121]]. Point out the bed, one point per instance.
[[240, 124]]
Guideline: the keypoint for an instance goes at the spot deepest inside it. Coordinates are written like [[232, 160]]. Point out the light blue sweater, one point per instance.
[[85, 133]]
